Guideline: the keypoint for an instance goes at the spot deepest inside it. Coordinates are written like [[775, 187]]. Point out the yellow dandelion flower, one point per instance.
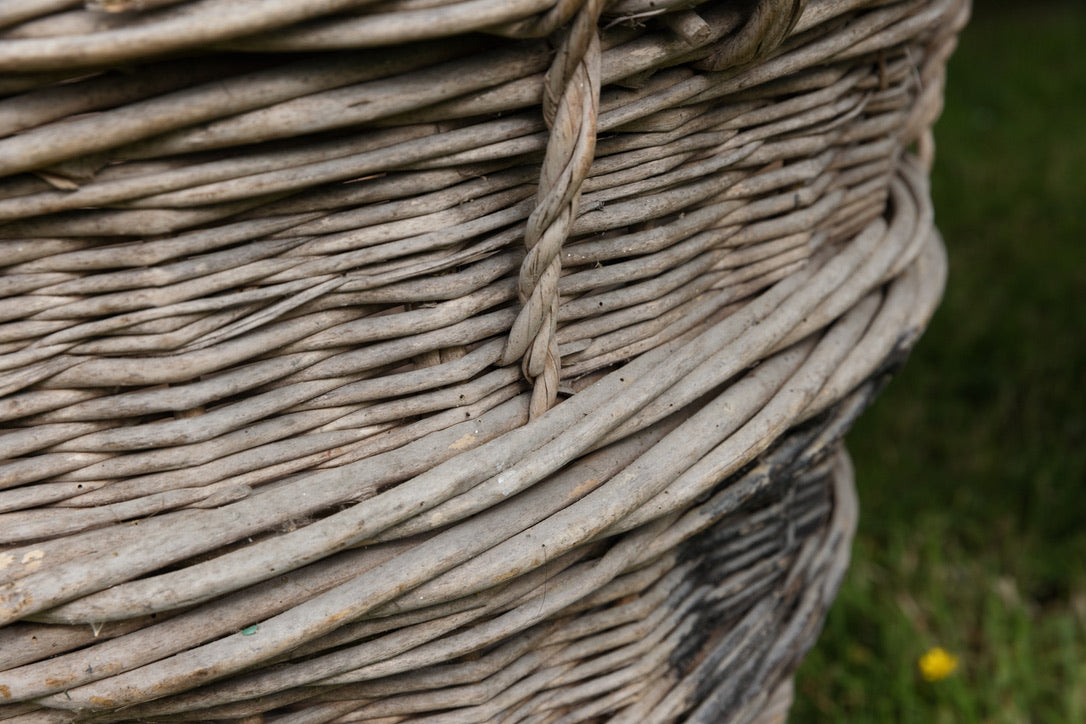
[[937, 664]]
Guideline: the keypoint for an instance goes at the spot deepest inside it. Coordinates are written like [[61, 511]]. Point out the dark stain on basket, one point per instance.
[[790, 507]]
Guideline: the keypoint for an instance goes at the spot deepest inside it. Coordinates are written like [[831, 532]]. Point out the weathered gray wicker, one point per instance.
[[445, 360]]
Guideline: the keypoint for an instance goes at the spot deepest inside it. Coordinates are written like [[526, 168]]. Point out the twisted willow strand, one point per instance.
[[570, 108]]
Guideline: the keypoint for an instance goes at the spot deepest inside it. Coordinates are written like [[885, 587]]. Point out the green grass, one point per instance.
[[972, 466]]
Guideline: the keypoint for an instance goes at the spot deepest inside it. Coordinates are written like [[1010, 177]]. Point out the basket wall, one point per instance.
[[440, 361]]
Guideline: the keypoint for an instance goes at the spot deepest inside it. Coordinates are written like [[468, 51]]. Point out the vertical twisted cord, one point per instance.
[[570, 106]]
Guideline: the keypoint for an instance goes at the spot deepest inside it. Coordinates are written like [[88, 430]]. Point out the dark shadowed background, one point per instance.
[[971, 467]]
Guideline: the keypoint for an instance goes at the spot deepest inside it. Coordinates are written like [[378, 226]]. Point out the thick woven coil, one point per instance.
[[437, 361]]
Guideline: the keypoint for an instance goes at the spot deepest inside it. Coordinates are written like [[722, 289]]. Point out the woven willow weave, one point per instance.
[[445, 360]]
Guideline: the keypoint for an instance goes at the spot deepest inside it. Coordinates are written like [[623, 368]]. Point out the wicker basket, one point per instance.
[[445, 360]]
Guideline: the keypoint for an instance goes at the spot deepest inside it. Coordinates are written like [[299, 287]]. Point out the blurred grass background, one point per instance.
[[971, 467]]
